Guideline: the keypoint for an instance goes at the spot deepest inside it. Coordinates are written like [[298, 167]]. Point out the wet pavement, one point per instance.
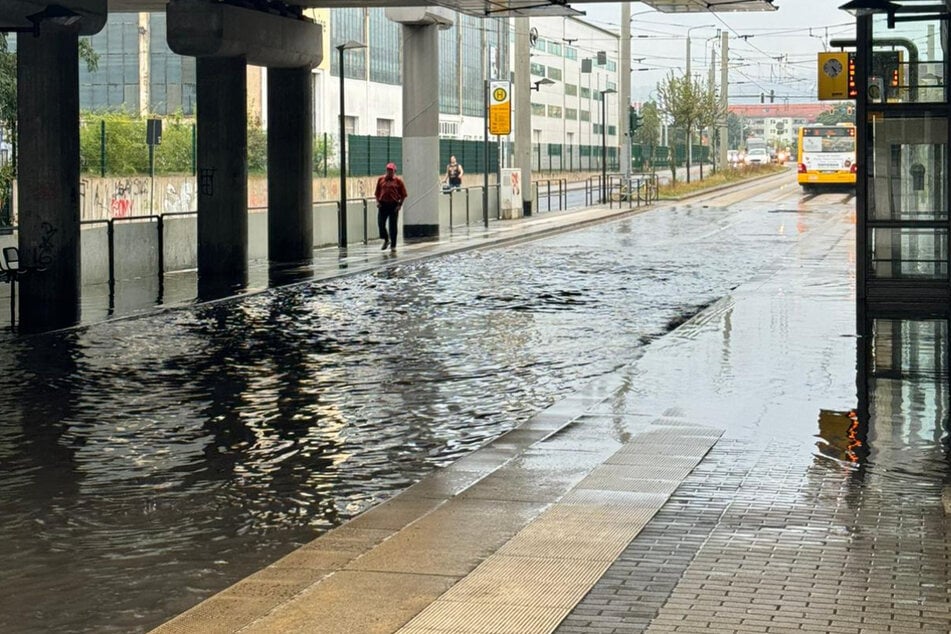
[[759, 469], [155, 461]]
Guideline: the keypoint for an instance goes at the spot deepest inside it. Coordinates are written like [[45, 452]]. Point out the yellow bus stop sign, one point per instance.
[[500, 107]]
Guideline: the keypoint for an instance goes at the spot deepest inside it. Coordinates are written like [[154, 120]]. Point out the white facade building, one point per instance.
[[566, 112]]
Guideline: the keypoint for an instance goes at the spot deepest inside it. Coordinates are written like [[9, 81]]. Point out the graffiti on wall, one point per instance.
[[121, 197], [105, 198], [179, 197]]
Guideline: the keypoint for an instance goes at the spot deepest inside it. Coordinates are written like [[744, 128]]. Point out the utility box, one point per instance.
[[510, 194]]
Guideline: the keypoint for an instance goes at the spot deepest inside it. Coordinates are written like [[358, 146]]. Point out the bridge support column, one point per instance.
[[48, 177], [421, 167], [290, 159], [224, 38], [222, 173]]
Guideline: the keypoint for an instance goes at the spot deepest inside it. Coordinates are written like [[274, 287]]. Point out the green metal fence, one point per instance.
[[368, 155]]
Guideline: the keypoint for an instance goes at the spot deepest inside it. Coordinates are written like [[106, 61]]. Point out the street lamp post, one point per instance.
[[690, 79], [342, 212], [701, 26], [604, 145], [544, 81]]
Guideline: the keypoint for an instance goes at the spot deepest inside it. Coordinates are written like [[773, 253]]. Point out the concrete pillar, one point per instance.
[[290, 159], [48, 177], [523, 111], [222, 172], [145, 65], [421, 169]]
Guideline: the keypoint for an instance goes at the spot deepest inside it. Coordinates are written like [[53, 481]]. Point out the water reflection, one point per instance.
[[841, 436], [903, 394], [156, 460], [900, 427]]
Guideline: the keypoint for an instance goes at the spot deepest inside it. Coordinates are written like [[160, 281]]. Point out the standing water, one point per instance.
[[147, 463]]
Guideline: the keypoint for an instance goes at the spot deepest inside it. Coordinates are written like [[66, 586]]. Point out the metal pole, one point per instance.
[[604, 154], [102, 147], [342, 212], [624, 123], [151, 178], [485, 154], [724, 95]]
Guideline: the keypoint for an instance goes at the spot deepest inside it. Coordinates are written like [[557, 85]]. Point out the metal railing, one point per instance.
[[636, 190], [153, 244]]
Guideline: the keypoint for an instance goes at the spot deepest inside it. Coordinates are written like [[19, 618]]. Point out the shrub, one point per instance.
[[127, 153]]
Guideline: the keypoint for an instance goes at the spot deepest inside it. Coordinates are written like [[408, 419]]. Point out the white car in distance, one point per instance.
[[757, 156]]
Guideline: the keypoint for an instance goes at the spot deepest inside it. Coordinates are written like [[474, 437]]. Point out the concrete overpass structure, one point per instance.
[[224, 37]]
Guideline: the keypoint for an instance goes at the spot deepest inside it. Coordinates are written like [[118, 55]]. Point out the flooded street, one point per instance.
[[149, 462]]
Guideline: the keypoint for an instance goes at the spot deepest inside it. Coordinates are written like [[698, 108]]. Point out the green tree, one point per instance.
[[257, 149], [323, 150], [711, 112], [736, 137], [8, 91], [648, 135], [682, 99], [8, 85]]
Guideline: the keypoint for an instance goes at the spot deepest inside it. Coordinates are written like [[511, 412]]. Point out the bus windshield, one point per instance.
[[822, 140]]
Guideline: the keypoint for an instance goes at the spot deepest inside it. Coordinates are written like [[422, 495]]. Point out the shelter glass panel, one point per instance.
[[909, 61], [909, 253], [908, 168]]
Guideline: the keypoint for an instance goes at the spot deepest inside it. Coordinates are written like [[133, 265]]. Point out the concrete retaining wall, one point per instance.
[[136, 241]]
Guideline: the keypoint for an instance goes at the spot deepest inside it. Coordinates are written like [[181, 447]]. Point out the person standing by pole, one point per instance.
[[454, 173], [390, 194]]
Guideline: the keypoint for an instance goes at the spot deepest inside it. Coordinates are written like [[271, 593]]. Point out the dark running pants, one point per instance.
[[388, 214]]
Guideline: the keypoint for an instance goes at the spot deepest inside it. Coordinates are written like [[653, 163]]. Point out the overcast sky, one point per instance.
[[779, 52]]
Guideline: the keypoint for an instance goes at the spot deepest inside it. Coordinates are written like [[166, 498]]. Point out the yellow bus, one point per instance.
[[826, 156]]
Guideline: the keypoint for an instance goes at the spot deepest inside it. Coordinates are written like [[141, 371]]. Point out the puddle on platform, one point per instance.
[[898, 435], [149, 462]]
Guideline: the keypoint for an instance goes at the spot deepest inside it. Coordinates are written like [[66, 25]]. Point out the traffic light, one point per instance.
[[762, 98], [772, 96], [635, 119]]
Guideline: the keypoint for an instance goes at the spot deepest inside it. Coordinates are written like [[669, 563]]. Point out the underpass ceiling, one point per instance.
[[497, 8], [13, 13]]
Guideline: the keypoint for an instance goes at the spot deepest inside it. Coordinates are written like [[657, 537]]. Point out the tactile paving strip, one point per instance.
[[531, 583]]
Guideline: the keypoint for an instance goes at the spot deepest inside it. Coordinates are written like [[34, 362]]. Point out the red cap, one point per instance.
[[391, 166]]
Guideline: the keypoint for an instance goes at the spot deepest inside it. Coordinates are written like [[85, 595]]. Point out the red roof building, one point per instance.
[[806, 111], [778, 123]]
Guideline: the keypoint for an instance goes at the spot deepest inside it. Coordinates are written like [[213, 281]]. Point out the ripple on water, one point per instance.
[[153, 461]]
